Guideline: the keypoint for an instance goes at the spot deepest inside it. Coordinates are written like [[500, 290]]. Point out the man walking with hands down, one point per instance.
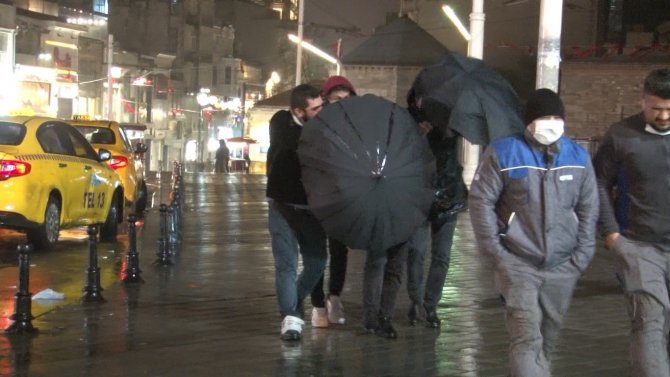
[[534, 206], [634, 158], [289, 217]]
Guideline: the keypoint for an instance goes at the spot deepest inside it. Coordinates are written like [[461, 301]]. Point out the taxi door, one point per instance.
[[70, 176], [99, 184]]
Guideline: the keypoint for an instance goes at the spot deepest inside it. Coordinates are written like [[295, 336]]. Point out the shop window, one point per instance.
[[100, 6], [228, 79]]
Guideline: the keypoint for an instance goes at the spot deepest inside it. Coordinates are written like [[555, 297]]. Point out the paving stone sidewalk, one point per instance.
[[214, 312]]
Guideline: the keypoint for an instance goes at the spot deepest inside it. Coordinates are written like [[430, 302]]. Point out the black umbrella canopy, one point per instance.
[[466, 96], [367, 172]]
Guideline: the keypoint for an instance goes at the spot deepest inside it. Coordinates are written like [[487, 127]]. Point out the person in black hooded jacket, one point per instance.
[[450, 199]]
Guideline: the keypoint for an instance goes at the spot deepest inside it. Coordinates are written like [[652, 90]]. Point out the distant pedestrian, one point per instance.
[[438, 230], [222, 158], [534, 206], [331, 310], [633, 171], [247, 162], [289, 216]]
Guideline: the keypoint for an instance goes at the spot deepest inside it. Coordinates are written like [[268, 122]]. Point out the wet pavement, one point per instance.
[[213, 312]]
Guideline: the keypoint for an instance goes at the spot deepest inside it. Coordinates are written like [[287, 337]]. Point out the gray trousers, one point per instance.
[[382, 277], [646, 275], [536, 301]]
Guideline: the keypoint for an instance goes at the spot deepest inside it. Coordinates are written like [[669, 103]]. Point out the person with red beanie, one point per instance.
[[331, 310]]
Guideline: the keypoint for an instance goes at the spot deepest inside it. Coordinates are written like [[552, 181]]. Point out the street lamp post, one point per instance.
[[549, 44], [203, 100], [316, 51], [110, 57], [471, 152], [475, 37], [298, 59]]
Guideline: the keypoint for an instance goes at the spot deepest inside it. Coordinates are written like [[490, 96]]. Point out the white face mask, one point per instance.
[[547, 131]]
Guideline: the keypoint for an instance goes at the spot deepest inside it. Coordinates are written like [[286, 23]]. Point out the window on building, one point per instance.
[[5, 57], [228, 78], [174, 6], [100, 6], [27, 40]]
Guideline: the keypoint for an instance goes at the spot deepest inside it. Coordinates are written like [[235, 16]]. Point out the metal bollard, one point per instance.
[[22, 316], [93, 289], [177, 215], [177, 184], [163, 252], [132, 271], [172, 228]]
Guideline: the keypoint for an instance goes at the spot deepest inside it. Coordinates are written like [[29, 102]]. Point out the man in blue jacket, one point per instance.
[[289, 216], [534, 207], [634, 158]]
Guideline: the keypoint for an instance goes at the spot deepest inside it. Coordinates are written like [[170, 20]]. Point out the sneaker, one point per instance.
[[291, 328], [335, 310], [319, 317]]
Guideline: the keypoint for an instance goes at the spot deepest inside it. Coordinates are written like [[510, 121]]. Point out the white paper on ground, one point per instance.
[[48, 294]]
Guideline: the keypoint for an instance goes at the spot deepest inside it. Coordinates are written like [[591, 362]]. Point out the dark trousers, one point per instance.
[[337, 270], [382, 277], [440, 238], [221, 166]]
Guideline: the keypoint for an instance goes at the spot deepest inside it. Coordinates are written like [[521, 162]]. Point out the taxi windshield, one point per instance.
[[11, 133], [97, 135]]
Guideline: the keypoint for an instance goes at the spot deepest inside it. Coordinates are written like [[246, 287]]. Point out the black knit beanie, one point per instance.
[[543, 102]]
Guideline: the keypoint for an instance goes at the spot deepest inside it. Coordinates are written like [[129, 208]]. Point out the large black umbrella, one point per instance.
[[465, 95], [367, 172]]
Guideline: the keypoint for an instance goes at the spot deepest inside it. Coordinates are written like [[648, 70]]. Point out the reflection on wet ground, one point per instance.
[[213, 311]]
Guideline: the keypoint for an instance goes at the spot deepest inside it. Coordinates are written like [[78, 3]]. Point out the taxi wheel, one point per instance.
[[141, 202], [111, 225], [46, 235]]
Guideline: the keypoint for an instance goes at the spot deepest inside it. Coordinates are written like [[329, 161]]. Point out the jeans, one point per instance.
[[382, 277], [295, 231], [337, 270], [442, 236]]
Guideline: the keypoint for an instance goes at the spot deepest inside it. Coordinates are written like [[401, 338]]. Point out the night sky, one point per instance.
[[364, 14]]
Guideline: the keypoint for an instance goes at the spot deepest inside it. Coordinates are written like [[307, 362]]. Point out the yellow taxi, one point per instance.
[[126, 160], [51, 178]]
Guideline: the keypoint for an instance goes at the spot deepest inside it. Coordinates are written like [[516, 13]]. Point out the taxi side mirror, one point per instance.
[[140, 148], [104, 154]]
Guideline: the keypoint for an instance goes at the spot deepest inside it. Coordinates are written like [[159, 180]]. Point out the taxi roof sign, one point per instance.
[[25, 111], [81, 117]]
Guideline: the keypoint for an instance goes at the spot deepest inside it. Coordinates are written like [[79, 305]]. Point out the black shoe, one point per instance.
[[432, 321], [385, 328], [370, 329], [414, 314]]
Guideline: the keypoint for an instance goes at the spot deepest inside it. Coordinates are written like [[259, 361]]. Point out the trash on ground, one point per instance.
[[48, 294]]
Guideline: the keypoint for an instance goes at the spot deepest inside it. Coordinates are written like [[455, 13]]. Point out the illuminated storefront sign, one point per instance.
[[8, 92]]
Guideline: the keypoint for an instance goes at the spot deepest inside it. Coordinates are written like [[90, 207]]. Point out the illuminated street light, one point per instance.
[[459, 25], [316, 51]]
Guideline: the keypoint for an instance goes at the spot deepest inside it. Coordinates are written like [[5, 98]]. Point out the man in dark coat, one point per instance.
[[290, 218], [450, 199], [222, 157], [632, 165]]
